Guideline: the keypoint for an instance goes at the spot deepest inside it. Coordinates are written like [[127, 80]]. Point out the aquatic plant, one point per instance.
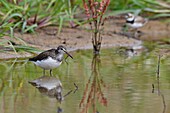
[[94, 11]]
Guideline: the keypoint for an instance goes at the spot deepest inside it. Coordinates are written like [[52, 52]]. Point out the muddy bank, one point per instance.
[[80, 38]]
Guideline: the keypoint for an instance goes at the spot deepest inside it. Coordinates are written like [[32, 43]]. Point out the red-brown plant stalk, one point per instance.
[[94, 11], [93, 92]]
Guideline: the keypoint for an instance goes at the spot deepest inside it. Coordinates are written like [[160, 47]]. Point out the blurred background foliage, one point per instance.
[[26, 16]]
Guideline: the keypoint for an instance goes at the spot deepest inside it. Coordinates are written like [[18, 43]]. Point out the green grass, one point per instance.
[[152, 8], [28, 15]]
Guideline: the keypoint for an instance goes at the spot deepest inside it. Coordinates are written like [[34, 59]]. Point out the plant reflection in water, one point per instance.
[[93, 92], [158, 85], [159, 94]]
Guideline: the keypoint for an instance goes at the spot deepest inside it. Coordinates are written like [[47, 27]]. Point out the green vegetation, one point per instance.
[[153, 7], [26, 16]]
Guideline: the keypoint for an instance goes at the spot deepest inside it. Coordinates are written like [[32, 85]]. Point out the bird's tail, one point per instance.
[[31, 59]]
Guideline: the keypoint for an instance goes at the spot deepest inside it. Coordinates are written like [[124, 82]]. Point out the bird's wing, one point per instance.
[[140, 19], [43, 55]]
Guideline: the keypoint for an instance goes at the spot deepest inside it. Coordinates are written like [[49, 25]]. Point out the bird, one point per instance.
[[135, 21], [50, 59]]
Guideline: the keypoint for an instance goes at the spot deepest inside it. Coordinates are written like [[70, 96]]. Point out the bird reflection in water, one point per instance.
[[50, 86], [93, 92]]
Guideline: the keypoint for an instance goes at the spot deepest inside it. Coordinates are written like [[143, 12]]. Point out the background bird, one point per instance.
[[135, 21]]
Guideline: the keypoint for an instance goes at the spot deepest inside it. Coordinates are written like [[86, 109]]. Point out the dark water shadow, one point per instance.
[[93, 92]]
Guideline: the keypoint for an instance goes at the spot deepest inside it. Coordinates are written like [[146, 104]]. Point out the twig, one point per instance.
[[158, 67], [153, 88], [68, 93], [76, 87], [164, 104], [159, 91]]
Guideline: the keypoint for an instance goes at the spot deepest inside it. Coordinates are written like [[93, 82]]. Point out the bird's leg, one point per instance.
[[50, 72], [44, 72]]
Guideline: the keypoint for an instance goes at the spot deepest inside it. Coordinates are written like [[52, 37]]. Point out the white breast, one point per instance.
[[135, 25], [48, 63]]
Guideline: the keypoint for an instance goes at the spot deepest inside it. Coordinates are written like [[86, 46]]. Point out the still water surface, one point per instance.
[[110, 83]]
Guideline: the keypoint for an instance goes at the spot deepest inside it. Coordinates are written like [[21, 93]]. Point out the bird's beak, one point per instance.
[[68, 54]]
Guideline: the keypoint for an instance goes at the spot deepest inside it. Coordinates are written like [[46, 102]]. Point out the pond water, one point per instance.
[[109, 83]]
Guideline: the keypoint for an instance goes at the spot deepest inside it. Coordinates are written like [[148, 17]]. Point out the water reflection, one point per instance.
[[93, 92], [129, 52], [49, 85], [59, 110], [159, 94], [158, 85], [125, 83]]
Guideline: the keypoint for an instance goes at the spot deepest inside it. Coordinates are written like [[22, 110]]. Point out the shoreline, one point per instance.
[[80, 38]]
